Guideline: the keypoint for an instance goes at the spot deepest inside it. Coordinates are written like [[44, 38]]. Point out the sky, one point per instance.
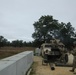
[[18, 16]]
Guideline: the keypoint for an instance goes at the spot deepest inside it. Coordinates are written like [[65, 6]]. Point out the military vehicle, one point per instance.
[[55, 52]]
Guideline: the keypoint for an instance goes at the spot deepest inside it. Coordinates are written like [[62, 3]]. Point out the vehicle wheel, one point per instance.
[[52, 68]]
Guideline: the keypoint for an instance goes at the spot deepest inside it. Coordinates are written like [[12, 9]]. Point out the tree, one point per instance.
[[66, 33], [37, 43], [24, 43], [17, 43], [44, 27], [47, 28], [3, 41]]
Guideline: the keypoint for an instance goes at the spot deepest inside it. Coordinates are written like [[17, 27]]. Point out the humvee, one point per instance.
[[53, 52], [54, 49]]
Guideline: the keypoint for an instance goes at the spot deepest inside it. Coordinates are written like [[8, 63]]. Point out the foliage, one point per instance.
[[14, 43], [17, 43], [3, 41], [44, 27], [47, 28]]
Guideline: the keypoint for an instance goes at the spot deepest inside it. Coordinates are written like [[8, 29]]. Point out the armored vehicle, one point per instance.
[[53, 52]]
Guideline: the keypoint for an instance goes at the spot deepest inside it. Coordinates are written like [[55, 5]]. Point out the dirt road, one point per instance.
[[39, 69]]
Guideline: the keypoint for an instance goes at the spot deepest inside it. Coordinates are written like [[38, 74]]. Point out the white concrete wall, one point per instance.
[[17, 64]]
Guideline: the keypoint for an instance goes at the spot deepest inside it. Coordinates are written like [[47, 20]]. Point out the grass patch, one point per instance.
[[9, 51]]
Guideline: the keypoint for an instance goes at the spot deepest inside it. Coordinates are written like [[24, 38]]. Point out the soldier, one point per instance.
[[74, 60], [45, 57]]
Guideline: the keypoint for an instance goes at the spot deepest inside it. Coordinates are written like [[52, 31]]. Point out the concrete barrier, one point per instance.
[[17, 64]]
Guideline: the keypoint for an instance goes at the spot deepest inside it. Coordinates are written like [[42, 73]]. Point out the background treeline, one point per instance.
[[46, 28], [15, 43]]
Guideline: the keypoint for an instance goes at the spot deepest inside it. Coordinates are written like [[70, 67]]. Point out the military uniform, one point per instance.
[[74, 60]]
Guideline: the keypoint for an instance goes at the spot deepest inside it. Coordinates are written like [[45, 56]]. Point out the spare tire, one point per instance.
[[69, 59]]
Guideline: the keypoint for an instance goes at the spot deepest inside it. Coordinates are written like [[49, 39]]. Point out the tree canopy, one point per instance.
[[14, 43], [47, 28]]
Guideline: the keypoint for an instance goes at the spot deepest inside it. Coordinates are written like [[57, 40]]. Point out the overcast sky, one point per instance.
[[17, 16]]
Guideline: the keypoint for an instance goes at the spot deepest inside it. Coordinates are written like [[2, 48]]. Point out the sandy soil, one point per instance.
[[45, 70]]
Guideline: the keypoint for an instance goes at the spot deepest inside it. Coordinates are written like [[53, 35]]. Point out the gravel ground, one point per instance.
[[40, 69]]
